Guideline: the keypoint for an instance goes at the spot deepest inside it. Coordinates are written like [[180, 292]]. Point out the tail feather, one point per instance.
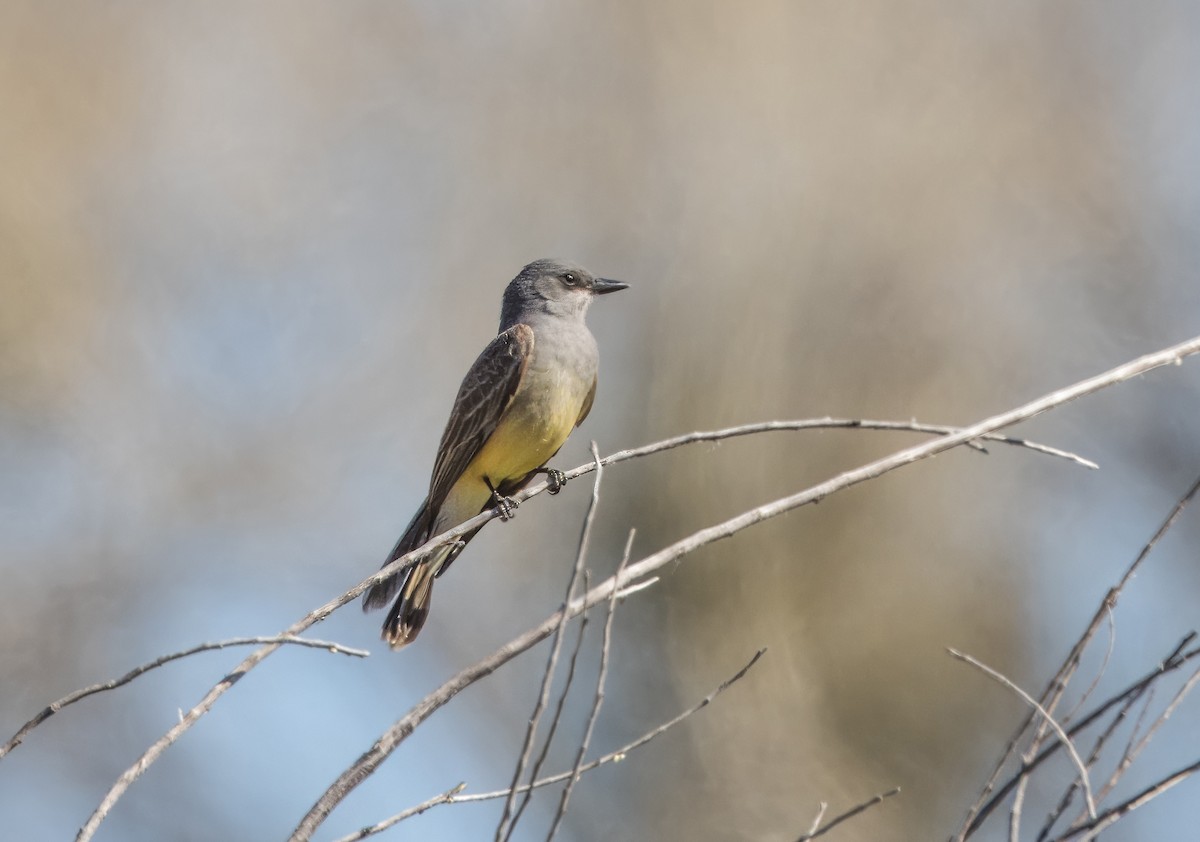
[[410, 610], [411, 589], [414, 536]]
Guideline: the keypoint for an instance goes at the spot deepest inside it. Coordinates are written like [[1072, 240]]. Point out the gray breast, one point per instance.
[[563, 367]]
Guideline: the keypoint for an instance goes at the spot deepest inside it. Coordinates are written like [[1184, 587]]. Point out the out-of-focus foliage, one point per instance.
[[247, 250]]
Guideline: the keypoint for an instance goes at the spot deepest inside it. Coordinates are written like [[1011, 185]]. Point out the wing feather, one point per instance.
[[485, 393]]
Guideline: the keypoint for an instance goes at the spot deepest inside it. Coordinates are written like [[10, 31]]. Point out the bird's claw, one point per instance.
[[506, 506], [557, 479]]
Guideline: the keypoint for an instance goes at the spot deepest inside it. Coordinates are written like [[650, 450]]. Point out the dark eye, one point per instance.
[[569, 279]]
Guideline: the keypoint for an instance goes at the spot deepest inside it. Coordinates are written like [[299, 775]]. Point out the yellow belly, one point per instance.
[[532, 431]]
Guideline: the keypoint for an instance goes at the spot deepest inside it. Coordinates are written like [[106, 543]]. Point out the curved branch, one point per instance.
[[1111, 816], [989, 797], [1173, 662], [452, 796], [512, 811], [830, 423], [112, 684], [821, 829], [597, 698], [446, 797], [1084, 779]]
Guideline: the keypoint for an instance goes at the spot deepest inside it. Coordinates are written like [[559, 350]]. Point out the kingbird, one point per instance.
[[532, 385]]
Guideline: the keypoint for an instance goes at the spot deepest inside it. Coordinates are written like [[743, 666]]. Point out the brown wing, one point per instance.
[[485, 393], [587, 404]]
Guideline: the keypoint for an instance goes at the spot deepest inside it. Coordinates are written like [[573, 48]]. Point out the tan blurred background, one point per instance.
[[247, 251]]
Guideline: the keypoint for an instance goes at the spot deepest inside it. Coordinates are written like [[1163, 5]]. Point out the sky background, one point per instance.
[[247, 251]]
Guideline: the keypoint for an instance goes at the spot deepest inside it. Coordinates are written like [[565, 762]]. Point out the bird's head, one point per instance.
[[557, 287]]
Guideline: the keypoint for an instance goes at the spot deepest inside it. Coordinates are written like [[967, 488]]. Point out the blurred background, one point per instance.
[[247, 251]]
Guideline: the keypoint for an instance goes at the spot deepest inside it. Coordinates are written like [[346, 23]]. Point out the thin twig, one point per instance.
[[1101, 741], [111, 684], [399, 731], [849, 814], [1134, 734], [1176, 660], [1139, 722], [446, 797], [830, 423], [1042, 732], [1058, 729], [986, 801], [1016, 811], [597, 699], [1108, 653], [1131, 754], [1093, 757], [504, 828], [1111, 816], [612, 757], [636, 587], [619, 755], [572, 666], [816, 822], [1037, 742]]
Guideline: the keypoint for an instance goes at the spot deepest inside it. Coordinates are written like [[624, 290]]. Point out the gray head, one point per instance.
[[553, 287]]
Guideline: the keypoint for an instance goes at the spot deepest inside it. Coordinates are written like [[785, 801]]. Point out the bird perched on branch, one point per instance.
[[532, 385]]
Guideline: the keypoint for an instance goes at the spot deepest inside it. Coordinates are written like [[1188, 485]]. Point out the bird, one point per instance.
[[520, 400]]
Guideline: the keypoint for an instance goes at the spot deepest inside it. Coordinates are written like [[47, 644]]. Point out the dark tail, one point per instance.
[[411, 608], [414, 585], [407, 614]]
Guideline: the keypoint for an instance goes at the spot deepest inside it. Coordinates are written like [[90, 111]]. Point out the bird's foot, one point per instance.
[[506, 506], [557, 479]]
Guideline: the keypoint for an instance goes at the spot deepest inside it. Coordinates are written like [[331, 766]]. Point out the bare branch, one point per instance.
[[1139, 722], [637, 587], [612, 757], [1176, 660], [816, 822], [1110, 817], [1093, 756], [557, 718], [598, 699], [1016, 811], [1130, 745], [1108, 653], [446, 797], [1168, 356], [619, 755], [829, 423], [846, 816], [503, 828], [1131, 752], [1101, 741], [986, 802], [1058, 729], [112, 684]]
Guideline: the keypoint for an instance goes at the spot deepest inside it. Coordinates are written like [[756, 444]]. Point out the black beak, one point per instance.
[[603, 286]]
